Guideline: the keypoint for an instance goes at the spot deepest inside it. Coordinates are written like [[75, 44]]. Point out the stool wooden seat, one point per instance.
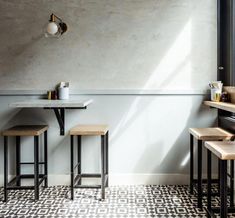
[[89, 130], [224, 151], [208, 134], [23, 130], [19, 131], [203, 134]]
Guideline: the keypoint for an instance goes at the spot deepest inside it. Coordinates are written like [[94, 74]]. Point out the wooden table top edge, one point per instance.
[[227, 106]]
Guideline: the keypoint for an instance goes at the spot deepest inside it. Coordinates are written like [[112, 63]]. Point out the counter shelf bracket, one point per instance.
[[60, 115]]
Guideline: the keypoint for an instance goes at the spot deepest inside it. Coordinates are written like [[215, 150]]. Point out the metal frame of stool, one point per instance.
[[224, 209], [15, 183], [199, 181], [77, 180]]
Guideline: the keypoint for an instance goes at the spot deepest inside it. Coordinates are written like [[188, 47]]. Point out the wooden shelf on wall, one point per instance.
[[221, 105]]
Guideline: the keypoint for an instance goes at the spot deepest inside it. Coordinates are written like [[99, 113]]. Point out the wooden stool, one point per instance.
[[224, 151], [203, 134], [15, 183], [89, 130]]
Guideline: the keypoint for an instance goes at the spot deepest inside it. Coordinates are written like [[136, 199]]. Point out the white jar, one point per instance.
[[63, 93]]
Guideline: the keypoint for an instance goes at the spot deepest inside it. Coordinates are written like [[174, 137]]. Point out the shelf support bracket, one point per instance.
[[60, 116]]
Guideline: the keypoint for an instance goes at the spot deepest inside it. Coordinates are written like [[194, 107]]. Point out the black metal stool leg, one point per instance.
[[36, 167], [231, 183], [102, 168], [208, 180], [79, 138], [107, 158], [71, 168], [5, 167], [45, 160], [199, 182], [18, 167], [223, 188], [191, 164], [218, 175]]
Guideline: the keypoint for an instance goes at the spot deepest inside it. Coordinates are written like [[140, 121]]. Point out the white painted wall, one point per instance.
[[149, 140]]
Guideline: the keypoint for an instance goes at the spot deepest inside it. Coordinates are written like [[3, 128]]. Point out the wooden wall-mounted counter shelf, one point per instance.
[[221, 105]]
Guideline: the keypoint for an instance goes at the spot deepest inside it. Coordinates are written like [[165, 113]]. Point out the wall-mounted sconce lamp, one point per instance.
[[56, 27]]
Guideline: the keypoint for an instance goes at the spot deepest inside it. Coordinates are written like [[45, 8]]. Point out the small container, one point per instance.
[[225, 97], [49, 95], [54, 95], [216, 94], [231, 93], [63, 93]]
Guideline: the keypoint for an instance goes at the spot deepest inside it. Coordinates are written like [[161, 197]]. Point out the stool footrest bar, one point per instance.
[[87, 186], [90, 175], [78, 178], [19, 187], [30, 176], [11, 184], [32, 163]]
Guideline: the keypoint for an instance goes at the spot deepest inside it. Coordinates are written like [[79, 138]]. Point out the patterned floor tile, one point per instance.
[[121, 201]]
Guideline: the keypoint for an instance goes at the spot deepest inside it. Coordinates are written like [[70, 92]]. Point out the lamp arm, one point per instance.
[[53, 16]]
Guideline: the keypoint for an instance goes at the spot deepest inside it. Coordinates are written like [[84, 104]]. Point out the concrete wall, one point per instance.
[[132, 44], [164, 45]]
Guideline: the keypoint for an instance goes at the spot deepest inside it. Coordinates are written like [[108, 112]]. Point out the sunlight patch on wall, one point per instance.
[[153, 130], [174, 70], [185, 160]]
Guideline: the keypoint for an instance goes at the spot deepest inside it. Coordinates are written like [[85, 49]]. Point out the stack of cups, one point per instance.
[[216, 90]]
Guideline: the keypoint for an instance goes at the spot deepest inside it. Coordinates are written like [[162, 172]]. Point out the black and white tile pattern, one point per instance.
[[121, 201]]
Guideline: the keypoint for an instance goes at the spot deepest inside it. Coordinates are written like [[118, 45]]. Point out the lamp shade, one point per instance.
[[52, 28]]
